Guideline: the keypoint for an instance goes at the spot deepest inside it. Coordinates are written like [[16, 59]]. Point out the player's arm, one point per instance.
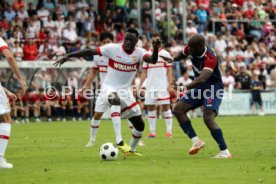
[[12, 62], [179, 56], [202, 78], [90, 78], [10, 94], [153, 58], [169, 78], [143, 77], [77, 54]]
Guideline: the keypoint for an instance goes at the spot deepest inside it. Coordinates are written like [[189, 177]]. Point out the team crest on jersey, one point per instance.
[[134, 58]]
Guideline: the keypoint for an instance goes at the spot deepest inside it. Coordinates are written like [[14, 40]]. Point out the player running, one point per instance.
[[123, 63], [5, 117], [207, 80], [159, 78]]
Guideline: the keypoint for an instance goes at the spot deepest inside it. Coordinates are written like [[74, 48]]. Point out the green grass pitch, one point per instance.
[[55, 153]]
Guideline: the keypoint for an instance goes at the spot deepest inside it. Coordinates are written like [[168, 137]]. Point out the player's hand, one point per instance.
[[61, 60], [156, 43], [23, 85], [11, 95], [171, 88]]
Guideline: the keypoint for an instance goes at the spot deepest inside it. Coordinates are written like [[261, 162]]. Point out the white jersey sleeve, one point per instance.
[[107, 50], [145, 66], [3, 45], [166, 54]]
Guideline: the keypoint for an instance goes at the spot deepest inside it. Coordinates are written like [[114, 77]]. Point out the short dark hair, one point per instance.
[[133, 31], [156, 35], [105, 35]]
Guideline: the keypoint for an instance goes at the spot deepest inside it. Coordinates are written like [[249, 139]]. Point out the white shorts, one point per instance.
[[4, 102], [157, 97], [129, 106]]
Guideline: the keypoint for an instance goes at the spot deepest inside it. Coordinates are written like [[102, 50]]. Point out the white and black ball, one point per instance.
[[108, 151]]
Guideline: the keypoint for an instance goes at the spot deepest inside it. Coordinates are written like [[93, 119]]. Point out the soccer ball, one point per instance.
[[108, 151]]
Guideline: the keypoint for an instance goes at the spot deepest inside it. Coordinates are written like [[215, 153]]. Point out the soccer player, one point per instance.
[[256, 87], [207, 80], [5, 117], [159, 78], [123, 63]]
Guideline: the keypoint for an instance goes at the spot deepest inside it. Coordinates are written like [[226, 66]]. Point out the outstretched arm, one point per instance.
[[81, 53]]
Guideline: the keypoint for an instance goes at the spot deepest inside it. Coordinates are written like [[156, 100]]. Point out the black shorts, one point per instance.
[[256, 98]]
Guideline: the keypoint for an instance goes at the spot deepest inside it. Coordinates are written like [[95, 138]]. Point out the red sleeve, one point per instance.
[[3, 48], [99, 51], [145, 56], [186, 50], [210, 62]]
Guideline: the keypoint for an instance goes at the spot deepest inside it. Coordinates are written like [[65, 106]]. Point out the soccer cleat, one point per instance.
[[124, 148], [4, 164], [151, 135], [90, 144], [223, 154], [196, 147], [133, 153], [140, 143], [169, 135]]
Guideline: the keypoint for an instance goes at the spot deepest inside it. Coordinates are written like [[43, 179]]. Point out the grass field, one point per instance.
[[55, 153]]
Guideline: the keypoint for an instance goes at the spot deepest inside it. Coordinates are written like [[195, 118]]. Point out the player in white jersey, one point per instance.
[[158, 76], [100, 64], [5, 117], [124, 60]]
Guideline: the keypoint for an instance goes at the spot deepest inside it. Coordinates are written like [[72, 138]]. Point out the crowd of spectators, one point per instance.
[[242, 32]]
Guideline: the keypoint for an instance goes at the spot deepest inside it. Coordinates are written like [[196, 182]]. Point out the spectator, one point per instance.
[[243, 80], [16, 22], [22, 14], [9, 14], [31, 11], [228, 81], [4, 24], [191, 30], [220, 44], [71, 22], [202, 17], [58, 50], [256, 87], [32, 30], [49, 5], [43, 14], [256, 27], [49, 24], [81, 4], [70, 35], [19, 4], [17, 51], [147, 28], [184, 79], [81, 16], [89, 27], [30, 50], [60, 25], [120, 36]]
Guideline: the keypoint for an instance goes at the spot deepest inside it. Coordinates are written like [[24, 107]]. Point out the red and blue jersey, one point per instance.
[[207, 60]]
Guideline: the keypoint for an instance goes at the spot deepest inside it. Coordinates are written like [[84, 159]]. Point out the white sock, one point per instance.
[[136, 136], [130, 125], [5, 130], [152, 121], [116, 120], [195, 139], [95, 124], [168, 119]]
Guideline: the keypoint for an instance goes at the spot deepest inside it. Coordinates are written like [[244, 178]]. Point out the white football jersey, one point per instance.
[[157, 73], [3, 45], [100, 63], [122, 66]]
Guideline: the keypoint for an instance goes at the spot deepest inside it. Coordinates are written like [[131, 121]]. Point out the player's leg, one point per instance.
[[36, 108], [216, 132], [152, 120], [48, 111], [184, 105], [70, 105], [63, 109], [94, 126], [137, 132], [168, 119], [27, 113], [5, 130], [115, 109], [260, 103]]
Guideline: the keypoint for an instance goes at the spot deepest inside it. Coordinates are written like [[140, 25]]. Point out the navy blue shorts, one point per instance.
[[210, 96]]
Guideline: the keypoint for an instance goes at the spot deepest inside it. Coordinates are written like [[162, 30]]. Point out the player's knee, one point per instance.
[[113, 99], [177, 111], [97, 116], [209, 117], [138, 123]]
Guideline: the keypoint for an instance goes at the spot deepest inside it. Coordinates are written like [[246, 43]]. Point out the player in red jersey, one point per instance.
[[5, 117]]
